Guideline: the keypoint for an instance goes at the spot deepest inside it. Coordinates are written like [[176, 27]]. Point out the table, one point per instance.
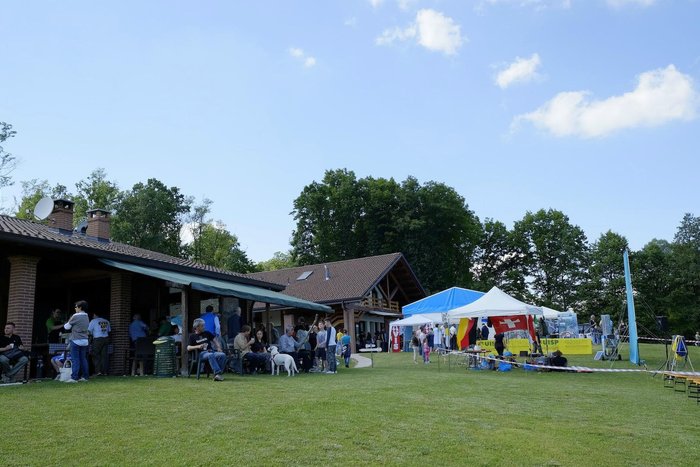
[[472, 357], [372, 351]]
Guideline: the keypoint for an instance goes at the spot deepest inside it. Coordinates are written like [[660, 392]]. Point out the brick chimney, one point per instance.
[[61, 217], [98, 224]]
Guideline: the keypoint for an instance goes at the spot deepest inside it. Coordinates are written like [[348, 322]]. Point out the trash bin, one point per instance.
[[165, 365]]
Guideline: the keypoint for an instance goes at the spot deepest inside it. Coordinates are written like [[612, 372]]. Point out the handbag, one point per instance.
[[66, 371]]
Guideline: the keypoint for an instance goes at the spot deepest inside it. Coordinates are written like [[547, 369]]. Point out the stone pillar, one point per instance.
[[21, 296], [120, 317]]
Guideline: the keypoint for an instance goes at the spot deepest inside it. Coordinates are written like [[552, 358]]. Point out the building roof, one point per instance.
[[347, 280], [28, 233]]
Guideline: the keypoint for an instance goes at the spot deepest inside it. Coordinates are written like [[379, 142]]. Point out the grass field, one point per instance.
[[394, 413]]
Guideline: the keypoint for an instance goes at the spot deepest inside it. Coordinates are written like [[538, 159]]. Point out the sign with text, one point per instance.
[[575, 346]]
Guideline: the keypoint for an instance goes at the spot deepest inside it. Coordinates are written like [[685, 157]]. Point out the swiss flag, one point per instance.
[[503, 324]]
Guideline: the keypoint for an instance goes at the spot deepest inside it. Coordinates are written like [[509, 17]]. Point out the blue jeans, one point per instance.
[[330, 355], [79, 362], [217, 361]]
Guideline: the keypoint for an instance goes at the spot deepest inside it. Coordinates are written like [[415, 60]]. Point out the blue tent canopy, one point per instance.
[[442, 302]]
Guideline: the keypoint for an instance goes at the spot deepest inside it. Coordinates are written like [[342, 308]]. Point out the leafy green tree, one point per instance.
[[95, 192], [216, 246], [555, 254], [150, 216], [684, 315], [33, 190], [652, 280], [280, 260], [8, 162], [604, 292], [327, 214], [343, 217], [496, 262]]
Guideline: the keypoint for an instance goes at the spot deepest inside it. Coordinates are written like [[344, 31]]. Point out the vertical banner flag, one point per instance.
[[631, 316], [466, 333], [395, 339]]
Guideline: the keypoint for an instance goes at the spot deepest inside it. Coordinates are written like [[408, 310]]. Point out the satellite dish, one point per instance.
[[43, 208]]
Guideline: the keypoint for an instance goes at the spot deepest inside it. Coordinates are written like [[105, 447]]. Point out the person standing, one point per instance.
[[137, 329], [211, 321], [331, 344], [99, 328], [345, 342], [53, 327], [415, 344], [78, 327], [320, 350], [499, 345], [484, 332], [234, 324]]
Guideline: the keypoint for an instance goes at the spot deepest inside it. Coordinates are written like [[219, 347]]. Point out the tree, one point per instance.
[[8, 162], [684, 315], [150, 216], [33, 190], [218, 247], [95, 192], [327, 214], [652, 280], [280, 260], [496, 262], [555, 255], [604, 292], [343, 218]]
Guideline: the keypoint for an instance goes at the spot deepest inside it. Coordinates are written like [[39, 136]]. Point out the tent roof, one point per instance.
[[442, 301], [550, 313], [494, 303], [419, 319]]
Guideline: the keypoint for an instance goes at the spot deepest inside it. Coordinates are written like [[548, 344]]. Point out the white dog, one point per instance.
[[280, 360]]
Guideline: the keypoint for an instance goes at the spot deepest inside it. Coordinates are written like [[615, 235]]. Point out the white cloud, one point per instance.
[[521, 70], [351, 22], [535, 4], [376, 3], [624, 3], [298, 53], [406, 4], [661, 96], [431, 29]]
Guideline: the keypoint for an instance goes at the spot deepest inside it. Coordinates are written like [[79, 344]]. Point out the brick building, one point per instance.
[[50, 265]]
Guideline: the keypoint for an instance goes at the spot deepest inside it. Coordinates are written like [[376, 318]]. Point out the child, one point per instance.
[[58, 361], [426, 350]]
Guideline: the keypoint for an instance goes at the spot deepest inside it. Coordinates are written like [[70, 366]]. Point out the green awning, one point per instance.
[[221, 287]]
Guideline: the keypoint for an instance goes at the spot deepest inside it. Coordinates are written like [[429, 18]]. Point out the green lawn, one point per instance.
[[394, 413]]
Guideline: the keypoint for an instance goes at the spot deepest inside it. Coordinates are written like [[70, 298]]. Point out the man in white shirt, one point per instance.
[[99, 328]]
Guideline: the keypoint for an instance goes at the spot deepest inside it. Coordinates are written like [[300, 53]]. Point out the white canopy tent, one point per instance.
[[417, 320], [494, 303], [550, 313]]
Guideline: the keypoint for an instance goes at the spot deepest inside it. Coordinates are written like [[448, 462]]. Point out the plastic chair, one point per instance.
[[144, 351], [196, 359]]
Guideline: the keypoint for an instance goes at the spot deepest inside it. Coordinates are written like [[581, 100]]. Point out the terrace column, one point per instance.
[[120, 318], [21, 296]]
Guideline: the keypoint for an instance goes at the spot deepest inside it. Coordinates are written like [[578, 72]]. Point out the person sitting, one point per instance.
[[12, 355], [209, 348], [288, 344], [57, 362], [557, 359], [243, 343]]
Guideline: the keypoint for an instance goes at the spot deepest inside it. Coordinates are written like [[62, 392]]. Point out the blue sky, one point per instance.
[[586, 106]]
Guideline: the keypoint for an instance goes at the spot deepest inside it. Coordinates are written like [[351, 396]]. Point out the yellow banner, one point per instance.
[[575, 346]]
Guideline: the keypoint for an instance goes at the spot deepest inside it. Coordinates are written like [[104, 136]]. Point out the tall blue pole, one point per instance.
[[631, 316]]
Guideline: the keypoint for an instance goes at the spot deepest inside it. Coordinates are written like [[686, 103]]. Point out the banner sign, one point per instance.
[[574, 346], [395, 339]]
